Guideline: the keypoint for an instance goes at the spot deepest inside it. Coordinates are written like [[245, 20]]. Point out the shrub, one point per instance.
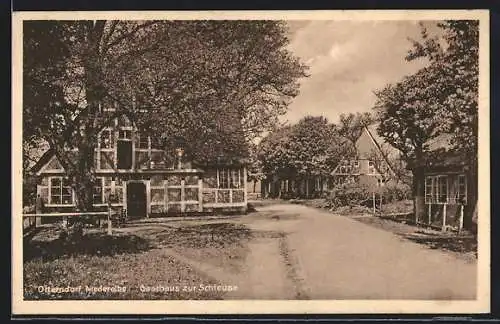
[[353, 194], [396, 192]]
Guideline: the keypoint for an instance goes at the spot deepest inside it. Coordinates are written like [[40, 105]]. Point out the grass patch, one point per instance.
[[132, 257], [219, 244], [463, 245], [134, 272]]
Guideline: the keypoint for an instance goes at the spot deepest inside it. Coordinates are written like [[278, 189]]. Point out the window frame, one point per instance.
[[371, 167], [229, 178], [459, 185], [440, 187], [60, 195], [437, 184], [140, 140]]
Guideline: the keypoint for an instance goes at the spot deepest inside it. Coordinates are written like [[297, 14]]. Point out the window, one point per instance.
[[106, 139], [124, 155], [371, 167], [442, 191], [429, 185], [223, 179], [142, 142], [230, 178], [60, 191], [439, 191], [124, 134], [97, 196]]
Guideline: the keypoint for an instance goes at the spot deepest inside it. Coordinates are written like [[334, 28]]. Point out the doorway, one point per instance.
[[136, 200]]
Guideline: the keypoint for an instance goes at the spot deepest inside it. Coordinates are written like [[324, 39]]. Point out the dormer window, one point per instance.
[[106, 139]]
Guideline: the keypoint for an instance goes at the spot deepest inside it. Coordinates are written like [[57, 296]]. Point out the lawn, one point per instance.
[[134, 263]]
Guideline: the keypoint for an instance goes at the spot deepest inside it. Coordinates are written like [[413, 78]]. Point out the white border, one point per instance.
[[480, 305]]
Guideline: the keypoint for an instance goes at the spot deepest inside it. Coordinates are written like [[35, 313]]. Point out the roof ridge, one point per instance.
[[377, 145]]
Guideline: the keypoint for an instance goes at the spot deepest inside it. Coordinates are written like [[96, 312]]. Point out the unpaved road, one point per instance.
[[323, 256]]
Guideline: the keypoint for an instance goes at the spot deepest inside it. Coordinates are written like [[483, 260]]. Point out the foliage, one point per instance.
[[406, 112], [213, 83], [313, 146], [439, 98], [350, 194], [395, 192], [351, 125], [454, 62]]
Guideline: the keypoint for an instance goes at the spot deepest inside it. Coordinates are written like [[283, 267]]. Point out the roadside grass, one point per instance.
[[133, 256], [221, 244], [462, 245]]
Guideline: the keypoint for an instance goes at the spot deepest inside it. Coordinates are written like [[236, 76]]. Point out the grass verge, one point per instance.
[[133, 264]]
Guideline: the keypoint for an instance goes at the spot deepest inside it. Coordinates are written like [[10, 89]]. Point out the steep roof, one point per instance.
[[370, 142], [44, 159]]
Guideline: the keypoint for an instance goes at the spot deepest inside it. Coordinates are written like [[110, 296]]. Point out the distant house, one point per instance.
[[146, 179], [370, 166], [449, 188], [254, 185]]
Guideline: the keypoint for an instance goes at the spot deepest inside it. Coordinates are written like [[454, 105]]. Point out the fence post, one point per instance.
[[444, 218], [461, 220], [200, 195], [110, 230], [373, 200], [65, 221]]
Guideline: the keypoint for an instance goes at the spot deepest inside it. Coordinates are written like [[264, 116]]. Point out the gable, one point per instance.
[[365, 146], [52, 165], [370, 145]]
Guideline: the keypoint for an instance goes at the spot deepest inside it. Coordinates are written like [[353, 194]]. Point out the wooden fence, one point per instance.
[[64, 216]]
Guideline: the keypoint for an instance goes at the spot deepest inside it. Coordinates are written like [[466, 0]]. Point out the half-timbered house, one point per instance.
[[145, 178]]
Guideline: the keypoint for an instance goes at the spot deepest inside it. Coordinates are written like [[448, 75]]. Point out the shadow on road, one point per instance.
[[454, 243]]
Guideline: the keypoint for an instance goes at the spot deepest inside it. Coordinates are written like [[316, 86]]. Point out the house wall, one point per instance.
[[443, 199], [173, 192]]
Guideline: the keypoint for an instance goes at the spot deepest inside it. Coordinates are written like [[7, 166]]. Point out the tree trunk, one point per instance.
[[307, 186], [472, 193], [82, 183], [418, 193]]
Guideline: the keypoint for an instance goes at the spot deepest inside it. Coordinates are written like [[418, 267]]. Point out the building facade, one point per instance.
[[145, 179], [449, 193]]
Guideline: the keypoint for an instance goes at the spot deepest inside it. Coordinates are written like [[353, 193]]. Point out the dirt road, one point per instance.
[[318, 255]]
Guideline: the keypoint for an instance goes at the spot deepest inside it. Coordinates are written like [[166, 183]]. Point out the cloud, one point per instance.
[[348, 60]]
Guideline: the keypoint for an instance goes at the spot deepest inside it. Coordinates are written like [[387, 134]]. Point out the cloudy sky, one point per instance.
[[348, 60]]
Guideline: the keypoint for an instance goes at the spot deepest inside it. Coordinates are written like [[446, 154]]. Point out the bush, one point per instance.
[[353, 194], [397, 192]]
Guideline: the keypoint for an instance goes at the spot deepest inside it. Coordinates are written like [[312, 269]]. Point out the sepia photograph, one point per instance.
[[251, 162]]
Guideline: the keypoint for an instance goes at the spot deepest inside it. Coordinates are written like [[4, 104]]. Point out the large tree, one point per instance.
[[311, 147], [213, 83], [441, 98]]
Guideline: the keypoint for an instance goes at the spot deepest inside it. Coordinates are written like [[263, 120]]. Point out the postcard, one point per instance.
[[232, 162]]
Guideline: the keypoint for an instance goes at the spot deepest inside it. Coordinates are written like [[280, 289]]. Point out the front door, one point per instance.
[[136, 200]]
